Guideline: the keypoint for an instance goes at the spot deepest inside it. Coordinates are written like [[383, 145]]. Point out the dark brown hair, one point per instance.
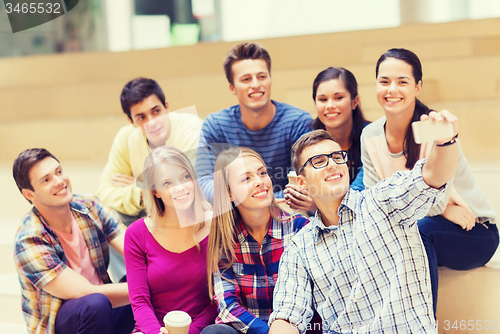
[[244, 51], [23, 164], [411, 150], [136, 90], [358, 119], [305, 141]]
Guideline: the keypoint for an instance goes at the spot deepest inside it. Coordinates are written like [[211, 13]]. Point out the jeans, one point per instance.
[[93, 314], [219, 329], [448, 245]]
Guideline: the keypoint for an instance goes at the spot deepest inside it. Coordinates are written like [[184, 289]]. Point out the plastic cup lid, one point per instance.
[[177, 319], [292, 173]]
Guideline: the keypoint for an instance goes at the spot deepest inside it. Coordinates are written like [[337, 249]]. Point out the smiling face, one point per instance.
[[252, 84], [249, 184], [334, 105], [330, 181], [396, 87], [176, 188], [51, 187], [151, 114]]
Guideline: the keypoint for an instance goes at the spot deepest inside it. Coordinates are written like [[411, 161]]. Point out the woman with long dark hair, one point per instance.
[[335, 94], [460, 231]]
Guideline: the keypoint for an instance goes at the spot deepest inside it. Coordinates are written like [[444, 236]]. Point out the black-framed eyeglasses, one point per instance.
[[321, 160]]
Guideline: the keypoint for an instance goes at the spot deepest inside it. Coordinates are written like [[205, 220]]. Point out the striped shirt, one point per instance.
[[370, 273], [40, 257], [247, 304], [274, 142]]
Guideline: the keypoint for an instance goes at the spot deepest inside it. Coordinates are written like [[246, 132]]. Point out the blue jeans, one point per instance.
[[448, 245], [219, 329], [93, 314]]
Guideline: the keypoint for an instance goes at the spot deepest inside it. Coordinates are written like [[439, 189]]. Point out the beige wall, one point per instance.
[[70, 102]]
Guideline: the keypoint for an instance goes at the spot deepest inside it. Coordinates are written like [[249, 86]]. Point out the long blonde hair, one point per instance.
[[153, 172], [226, 215]]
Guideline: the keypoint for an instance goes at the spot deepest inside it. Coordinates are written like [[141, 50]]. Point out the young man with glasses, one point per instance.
[[360, 263]]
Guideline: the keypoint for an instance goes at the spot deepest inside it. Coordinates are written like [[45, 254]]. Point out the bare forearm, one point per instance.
[[440, 165], [443, 160], [282, 327], [116, 293], [71, 285]]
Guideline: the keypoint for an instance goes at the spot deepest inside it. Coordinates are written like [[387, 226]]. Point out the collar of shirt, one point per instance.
[[275, 230], [75, 206], [348, 202]]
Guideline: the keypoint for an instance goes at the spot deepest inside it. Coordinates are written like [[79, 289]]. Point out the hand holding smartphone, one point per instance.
[[431, 130]]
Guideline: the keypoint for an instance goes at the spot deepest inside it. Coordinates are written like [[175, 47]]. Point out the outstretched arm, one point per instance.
[[443, 160]]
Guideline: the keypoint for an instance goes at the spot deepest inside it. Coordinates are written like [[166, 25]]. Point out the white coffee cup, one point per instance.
[[177, 322], [292, 177]]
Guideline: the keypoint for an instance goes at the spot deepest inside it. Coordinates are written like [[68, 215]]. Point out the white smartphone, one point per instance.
[[430, 130]]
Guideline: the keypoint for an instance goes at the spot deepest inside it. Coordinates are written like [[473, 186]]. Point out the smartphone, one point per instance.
[[430, 130]]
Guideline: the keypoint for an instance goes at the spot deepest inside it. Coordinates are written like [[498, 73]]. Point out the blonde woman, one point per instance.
[[166, 252], [248, 234]]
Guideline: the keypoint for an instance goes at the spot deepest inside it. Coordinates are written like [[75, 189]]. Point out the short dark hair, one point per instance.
[[23, 164], [136, 90], [244, 51], [305, 141]]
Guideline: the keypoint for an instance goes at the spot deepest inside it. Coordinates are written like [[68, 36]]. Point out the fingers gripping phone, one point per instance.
[[430, 130]]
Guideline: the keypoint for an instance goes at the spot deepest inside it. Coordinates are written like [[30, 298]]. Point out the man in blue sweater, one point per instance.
[[257, 122]]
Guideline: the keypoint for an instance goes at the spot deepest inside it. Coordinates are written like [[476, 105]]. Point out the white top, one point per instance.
[[379, 163]]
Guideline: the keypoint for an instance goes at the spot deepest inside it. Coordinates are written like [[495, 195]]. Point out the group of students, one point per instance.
[[221, 240]]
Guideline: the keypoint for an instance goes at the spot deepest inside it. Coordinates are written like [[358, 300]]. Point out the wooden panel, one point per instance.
[[486, 45], [74, 139], [287, 52], [429, 49], [468, 295]]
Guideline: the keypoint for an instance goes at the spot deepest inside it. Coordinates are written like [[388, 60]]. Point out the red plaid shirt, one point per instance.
[[248, 304]]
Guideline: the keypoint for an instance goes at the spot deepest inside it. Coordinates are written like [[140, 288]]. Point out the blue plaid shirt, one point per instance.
[[370, 273]]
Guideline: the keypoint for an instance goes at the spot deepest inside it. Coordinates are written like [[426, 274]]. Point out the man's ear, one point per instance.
[[301, 182], [130, 121], [29, 194], [231, 89], [166, 105]]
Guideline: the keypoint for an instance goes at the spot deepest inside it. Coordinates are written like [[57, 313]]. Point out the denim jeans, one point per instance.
[[93, 314], [448, 245], [219, 329]]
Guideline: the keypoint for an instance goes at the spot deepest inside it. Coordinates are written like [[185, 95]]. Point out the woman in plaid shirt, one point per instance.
[[247, 237]]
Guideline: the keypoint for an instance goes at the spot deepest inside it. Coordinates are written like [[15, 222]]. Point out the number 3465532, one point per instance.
[[471, 325], [33, 7]]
